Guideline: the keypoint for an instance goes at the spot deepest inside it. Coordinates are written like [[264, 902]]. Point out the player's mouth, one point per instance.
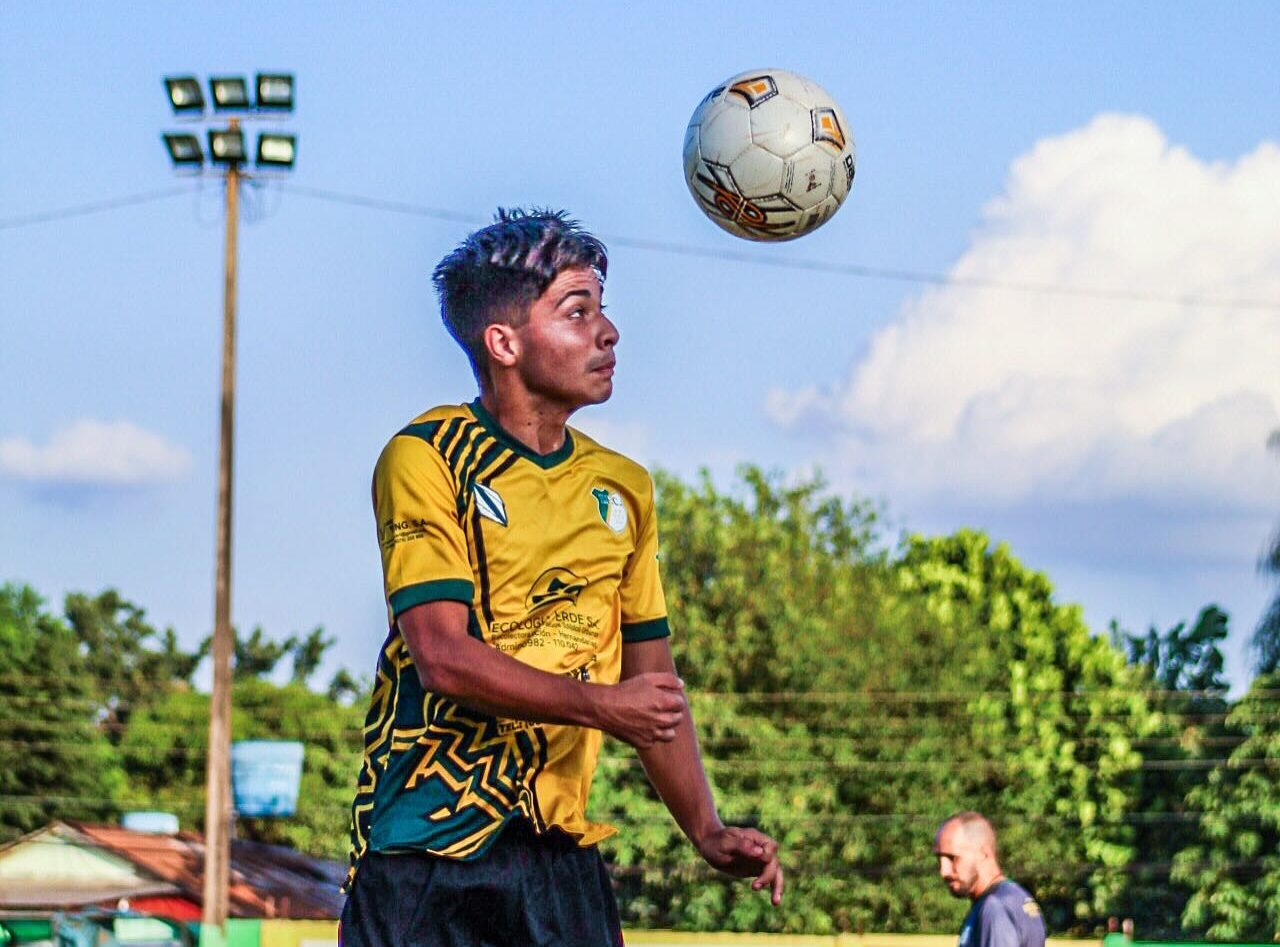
[[605, 368]]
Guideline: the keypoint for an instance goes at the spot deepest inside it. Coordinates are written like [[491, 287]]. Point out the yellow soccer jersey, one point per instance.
[[556, 555]]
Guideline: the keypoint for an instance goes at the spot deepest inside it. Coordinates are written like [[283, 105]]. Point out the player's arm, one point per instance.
[[642, 711], [428, 584], [675, 768]]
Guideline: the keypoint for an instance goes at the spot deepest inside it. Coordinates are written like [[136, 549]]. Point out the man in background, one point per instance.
[[1003, 913]]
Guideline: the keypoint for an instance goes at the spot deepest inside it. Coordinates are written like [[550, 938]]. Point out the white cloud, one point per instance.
[[1001, 397], [94, 453]]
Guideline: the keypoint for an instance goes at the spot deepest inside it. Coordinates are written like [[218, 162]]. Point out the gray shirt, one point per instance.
[[1005, 916]]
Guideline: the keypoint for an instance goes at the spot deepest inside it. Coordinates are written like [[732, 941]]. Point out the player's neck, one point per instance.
[[535, 422], [987, 881]]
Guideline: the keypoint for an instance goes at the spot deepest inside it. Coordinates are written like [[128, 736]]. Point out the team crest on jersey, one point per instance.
[[490, 505], [612, 510], [1030, 908]]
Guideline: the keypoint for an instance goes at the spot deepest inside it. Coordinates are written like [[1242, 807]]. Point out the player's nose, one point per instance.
[[608, 333]]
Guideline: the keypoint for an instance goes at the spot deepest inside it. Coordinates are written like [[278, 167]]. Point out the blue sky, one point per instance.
[[1119, 446]]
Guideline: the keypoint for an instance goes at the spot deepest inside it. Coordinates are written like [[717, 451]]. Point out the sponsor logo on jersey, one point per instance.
[[1030, 908], [489, 504], [557, 584], [399, 531], [612, 509]]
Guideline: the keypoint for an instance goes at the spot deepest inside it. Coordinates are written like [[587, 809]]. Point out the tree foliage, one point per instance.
[[1266, 637], [55, 758], [1233, 867], [165, 753], [850, 692], [1183, 667], [851, 698]]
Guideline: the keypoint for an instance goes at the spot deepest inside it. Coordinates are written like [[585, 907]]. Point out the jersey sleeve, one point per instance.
[[644, 608], [424, 547]]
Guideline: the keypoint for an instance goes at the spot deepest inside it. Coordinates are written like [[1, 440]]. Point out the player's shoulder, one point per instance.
[[422, 434], [1011, 898], [610, 463], [429, 422]]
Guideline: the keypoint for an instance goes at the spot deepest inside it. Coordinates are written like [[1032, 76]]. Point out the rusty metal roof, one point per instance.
[[266, 880]]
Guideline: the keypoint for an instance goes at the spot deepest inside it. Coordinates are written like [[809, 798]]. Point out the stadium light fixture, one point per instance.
[[184, 150], [229, 92], [275, 91], [226, 146], [184, 94], [277, 151]]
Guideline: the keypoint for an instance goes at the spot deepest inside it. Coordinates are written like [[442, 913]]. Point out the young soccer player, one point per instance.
[[526, 617]]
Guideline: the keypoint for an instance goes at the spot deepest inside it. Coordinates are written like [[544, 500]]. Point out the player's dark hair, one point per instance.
[[497, 272]]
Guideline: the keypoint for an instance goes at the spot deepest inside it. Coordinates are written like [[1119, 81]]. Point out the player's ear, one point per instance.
[[502, 344]]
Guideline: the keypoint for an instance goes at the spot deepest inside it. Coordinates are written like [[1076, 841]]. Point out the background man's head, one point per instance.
[[496, 273], [967, 857]]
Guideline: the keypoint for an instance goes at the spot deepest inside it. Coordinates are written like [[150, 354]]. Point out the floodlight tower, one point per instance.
[[227, 158]]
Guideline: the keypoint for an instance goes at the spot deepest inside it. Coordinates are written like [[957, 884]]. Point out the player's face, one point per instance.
[[958, 859], [566, 346]]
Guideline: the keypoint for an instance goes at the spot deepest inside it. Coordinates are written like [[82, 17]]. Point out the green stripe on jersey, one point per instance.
[[437, 590], [645, 630]]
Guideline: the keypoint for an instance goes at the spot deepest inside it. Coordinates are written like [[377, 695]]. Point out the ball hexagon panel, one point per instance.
[[815, 216], [756, 172], [781, 126], [725, 134], [808, 179]]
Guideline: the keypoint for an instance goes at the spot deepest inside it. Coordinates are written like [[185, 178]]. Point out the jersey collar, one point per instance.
[[545, 461]]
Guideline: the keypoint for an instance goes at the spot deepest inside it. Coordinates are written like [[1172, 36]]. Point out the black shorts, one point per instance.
[[527, 890]]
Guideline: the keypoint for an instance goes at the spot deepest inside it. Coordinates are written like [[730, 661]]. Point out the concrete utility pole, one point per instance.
[[218, 812]]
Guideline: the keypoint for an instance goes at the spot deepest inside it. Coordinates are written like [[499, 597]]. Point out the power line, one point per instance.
[[783, 696], [893, 274], [94, 207], [864, 271], [377, 203]]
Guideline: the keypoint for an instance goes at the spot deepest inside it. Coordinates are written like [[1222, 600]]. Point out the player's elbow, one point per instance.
[[441, 671]]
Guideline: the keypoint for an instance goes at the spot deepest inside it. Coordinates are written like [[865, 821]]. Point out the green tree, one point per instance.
[[54, 759], [258, 655], [1051, 755], [165, 752], [127, 657], [308, 653], [1233, 869], [345, 688], [1184, 668], [848, 699], [1266, 637]]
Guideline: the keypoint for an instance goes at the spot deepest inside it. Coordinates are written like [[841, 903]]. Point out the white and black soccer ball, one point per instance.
[[768, 155]]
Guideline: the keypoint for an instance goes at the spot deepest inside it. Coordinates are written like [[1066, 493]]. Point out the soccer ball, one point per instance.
[[768, 155]]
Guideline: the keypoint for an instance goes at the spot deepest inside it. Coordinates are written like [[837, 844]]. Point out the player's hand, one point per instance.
[[643, 710], [745, 853]]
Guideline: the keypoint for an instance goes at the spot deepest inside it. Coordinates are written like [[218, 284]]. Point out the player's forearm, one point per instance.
[[676, 772], [674, 768], [484, 679]]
